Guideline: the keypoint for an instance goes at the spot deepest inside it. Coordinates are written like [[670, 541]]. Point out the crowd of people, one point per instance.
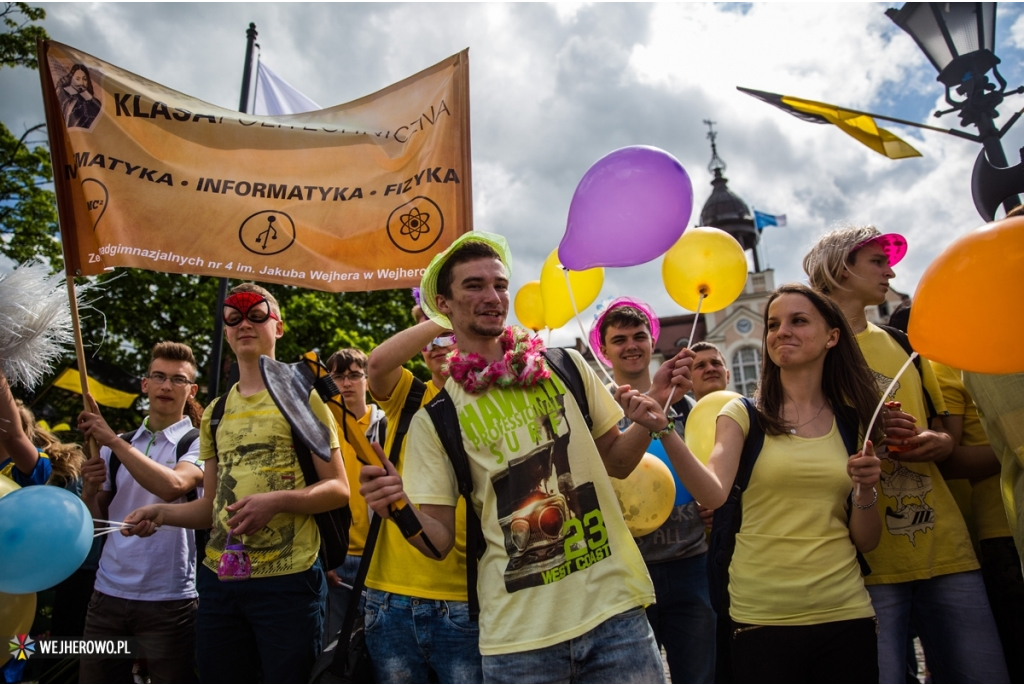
[[816, 546]]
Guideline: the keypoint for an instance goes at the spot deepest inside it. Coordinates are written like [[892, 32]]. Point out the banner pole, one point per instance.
[[217, 348]]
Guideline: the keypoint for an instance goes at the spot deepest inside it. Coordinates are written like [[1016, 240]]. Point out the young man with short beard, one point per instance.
[[562, 586]]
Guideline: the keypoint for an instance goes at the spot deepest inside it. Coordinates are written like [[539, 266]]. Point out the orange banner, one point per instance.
[[354, 197]]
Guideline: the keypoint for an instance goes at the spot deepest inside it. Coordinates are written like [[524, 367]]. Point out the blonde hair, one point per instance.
[[259, 290], [65, 458], [825, 262]]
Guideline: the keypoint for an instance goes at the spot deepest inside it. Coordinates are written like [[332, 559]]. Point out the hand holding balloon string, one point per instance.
[[881, 403]]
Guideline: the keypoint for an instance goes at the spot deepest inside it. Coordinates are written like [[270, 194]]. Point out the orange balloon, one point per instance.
[[966, 311]]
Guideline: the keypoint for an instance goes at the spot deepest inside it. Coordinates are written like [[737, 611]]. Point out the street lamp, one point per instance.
[[958, 39]]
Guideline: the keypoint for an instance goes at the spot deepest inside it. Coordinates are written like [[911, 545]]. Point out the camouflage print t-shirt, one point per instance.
[[255, 454]]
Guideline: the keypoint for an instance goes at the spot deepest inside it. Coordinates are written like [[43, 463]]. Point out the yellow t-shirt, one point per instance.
[[923, 531], [795, 563], [255, 454], [1000, 400], [360, 526], [985, 502], [559, 559], [396, 565]]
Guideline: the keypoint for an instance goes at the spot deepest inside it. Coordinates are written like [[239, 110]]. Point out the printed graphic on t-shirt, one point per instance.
[[267, 467], [553, 526], [909, 488]]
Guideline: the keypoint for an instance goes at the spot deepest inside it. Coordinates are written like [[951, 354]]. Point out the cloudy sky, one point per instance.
[[555, 87]]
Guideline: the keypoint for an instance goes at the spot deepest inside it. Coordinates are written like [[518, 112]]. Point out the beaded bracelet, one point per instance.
[[658, 435], [874, 499]]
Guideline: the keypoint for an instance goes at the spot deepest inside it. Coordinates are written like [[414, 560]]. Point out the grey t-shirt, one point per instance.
[[682, 535]]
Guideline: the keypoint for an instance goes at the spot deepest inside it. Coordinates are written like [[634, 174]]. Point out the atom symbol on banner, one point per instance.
[[415, 223]]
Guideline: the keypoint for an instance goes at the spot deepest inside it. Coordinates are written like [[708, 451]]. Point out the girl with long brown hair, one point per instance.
[[798, 607]]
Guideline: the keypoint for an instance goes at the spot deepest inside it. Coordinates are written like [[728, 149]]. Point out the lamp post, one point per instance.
[[958, 39]]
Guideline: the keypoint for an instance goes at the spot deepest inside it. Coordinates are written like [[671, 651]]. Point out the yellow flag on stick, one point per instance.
[[109, 385], [857, 124], [351, 198]]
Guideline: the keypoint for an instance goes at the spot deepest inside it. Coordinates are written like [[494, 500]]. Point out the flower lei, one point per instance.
[[521, 366]]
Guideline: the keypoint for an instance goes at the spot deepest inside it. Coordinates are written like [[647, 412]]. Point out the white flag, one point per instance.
[[276, 96]]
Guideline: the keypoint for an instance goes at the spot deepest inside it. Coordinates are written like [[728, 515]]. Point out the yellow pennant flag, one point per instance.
[[856, 124], [351, 198]]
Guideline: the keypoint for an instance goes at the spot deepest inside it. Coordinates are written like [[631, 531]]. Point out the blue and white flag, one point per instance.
[[761, 220], [275, 96]]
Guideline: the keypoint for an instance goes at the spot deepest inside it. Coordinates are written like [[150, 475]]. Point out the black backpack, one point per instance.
[[446, 423], [333, 524], [729, 516]]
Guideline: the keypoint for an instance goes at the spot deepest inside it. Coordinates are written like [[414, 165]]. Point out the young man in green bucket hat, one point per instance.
[[562, 587]]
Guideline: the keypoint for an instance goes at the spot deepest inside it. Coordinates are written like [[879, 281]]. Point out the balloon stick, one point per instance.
[[689, 343], [881, 403], [586, 338]]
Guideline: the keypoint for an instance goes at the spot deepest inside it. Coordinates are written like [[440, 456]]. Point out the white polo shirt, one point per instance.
[[160, 567]]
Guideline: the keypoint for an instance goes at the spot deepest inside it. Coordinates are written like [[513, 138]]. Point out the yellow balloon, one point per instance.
[[705, 260], [646, 496], [530, 306], [586, 286], [16, 613], [7, 486], [700, 424], [981, 275]]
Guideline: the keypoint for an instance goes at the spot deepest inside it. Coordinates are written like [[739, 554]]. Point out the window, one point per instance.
[[883, 310], [746, 370]]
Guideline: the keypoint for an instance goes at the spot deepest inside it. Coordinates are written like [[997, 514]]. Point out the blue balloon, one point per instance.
[[682, 495], [45, 535]]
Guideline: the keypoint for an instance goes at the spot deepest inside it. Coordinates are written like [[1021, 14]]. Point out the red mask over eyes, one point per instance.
[[245, 304]]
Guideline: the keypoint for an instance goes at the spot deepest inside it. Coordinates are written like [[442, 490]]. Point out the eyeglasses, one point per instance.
[[255, 314], [440, 341], [160, 378], [353, 376]]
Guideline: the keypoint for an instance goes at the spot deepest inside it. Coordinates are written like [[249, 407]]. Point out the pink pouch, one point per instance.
[[234, 562]]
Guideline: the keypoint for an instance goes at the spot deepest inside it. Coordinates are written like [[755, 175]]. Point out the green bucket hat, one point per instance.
[[428, 285]]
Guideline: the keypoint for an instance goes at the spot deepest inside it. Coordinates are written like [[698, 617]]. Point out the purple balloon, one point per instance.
[[630, 207]]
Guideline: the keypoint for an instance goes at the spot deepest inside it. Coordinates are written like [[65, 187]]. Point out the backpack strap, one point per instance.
[[562, 364], [729, 516], [114, 463], [446, 423], [215, 417], [846, 421], [904, 342], [412, 405]]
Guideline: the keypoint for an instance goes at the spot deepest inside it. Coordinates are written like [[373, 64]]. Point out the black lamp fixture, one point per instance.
[[958, 38]]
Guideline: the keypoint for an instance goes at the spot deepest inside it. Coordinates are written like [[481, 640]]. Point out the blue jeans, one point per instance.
[[338, 597], [273, 622], [683, 620], [620, 650], [409, 637], [952, 617]]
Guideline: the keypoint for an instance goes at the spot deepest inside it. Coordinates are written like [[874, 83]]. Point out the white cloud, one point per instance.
[[555, 87]]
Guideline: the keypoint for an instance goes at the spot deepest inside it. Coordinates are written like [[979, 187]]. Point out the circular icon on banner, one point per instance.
[[416, 225], [267, 232], [96, 199]]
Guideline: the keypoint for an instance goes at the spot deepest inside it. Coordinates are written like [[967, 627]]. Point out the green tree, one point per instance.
[[28, 214], [18, 41]]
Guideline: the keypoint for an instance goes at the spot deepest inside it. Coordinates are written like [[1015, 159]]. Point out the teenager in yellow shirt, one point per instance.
[[924, 572], [799, 609]]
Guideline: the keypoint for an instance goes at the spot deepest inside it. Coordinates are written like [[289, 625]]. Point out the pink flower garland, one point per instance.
[[522, 365]]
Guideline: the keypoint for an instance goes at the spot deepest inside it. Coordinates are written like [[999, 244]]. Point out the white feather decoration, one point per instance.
[[35, 323]]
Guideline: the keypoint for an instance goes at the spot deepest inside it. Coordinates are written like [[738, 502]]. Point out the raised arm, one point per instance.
[[384, 368], [12, 436], [166, 483]]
